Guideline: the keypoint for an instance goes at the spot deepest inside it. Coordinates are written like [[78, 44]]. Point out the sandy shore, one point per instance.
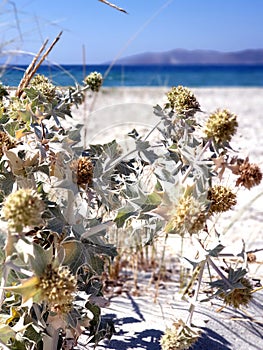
[[133, 105], [140, 323]]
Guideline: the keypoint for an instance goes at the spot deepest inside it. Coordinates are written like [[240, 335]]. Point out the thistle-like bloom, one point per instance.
[[221, 126], [238, 297], [5, 142], [57, 286], [44, 86], [54, 285], [23, 208], [94, 80], [188, 216], [83, 171], [179, 337], [221, 198], [249, 174], [183, 101]]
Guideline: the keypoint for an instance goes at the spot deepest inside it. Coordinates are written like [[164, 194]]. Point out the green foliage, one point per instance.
[[52, 273], [39, 153]]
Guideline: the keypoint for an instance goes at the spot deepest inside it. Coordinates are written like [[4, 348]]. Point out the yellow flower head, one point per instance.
[[221, 126], [183, 101], [44, 86], [23, 208], [94, 80], [188, 216], [179, 337], [57, 286]]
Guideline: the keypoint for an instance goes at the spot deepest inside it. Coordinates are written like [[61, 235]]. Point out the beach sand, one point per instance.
[[140, 322]]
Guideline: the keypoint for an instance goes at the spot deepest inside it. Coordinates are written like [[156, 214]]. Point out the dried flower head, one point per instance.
[[57, 287], [23, 208], [221, 126], [94, 80], [183, 101], [5, 142], [239, 296], [188, 216], [83, 170], [250, 174], [179, 337], [44, 86], [221, 198]]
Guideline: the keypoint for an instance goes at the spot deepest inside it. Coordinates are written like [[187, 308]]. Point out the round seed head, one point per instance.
[[238, 297], [188, 216], [183, 101], [94, 80], [23, 208], [221, 126], [250, 175], [57, 287], [222, 199]]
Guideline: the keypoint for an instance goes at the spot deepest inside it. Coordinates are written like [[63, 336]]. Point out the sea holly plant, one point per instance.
[[48, 293], [186, 164]]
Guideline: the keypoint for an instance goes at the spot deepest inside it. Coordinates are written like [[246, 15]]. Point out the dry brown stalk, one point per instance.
[[33, 67], [112, 5]]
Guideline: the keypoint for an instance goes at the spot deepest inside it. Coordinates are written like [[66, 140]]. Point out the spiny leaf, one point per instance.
[[125, 213]]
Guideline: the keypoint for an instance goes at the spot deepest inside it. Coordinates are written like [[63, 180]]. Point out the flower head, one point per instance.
[[83, 170], [183, 101], [222, 199], [221, 126], [44, 86], [5, 142], [238, 296], [249, 174], [179, 337], [54, 285], [57, 286], [187, 216], [23, 208], [94, 80]]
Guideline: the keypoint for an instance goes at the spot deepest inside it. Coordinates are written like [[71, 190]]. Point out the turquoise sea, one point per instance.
[[191, 76]]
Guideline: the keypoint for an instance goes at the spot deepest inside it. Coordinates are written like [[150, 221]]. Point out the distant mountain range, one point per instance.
[[195, 57]]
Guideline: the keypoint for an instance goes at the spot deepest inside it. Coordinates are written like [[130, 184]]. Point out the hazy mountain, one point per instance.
[[191, 57]]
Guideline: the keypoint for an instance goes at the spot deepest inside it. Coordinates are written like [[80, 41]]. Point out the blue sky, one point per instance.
[[151, 25]]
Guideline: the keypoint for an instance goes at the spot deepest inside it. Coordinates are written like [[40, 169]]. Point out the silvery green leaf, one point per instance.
[[216, 251]]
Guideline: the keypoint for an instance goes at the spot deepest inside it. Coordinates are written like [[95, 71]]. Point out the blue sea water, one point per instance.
[[191, 76]]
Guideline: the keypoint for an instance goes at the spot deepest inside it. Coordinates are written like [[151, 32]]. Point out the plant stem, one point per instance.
[[196, 293], [161, 268]]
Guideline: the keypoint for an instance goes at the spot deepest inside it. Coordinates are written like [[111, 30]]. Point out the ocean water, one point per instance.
[[191, 76]]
